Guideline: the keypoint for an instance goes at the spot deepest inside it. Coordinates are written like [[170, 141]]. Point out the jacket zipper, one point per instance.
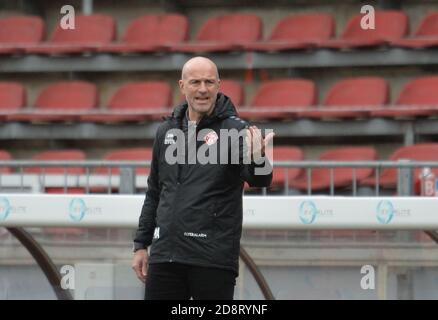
[[172, 226]]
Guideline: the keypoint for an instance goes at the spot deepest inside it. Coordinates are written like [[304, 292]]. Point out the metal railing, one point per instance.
[[128, 182]]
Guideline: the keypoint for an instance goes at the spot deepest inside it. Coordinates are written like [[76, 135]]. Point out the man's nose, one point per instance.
[[203, 87]]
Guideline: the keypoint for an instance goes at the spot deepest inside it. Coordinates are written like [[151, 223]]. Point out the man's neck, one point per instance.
[[195, 116]]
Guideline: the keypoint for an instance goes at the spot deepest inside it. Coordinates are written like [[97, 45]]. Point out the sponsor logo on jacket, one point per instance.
[[195, 235], [157, 233], [169, 139]]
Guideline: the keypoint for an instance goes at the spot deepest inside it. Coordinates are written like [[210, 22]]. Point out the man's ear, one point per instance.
[[181, 86]]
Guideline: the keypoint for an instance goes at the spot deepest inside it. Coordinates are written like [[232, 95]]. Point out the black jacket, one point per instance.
[[192, 213]]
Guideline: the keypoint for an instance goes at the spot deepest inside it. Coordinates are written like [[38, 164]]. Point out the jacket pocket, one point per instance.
[[224, 235], [196, 235]]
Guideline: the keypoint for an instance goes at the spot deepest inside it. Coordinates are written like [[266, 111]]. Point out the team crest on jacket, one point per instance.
[[211, 138], [169, 139]]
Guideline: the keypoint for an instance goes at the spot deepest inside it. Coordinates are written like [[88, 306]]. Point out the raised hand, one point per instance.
[[256, 144]]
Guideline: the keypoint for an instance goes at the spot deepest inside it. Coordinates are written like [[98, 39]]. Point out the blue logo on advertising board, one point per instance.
[[5, 208], [308, 212], [385, 211], [77, 209]]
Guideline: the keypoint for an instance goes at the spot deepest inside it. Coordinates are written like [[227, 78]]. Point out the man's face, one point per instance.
[[200, 85]]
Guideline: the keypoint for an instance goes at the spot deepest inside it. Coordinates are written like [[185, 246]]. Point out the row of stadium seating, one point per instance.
[[169, 32], [286, 98], [297, 177]]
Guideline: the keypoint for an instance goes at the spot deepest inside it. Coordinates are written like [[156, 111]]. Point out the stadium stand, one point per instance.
[[224, 33], [54, 155], [126, 154], [354, 96], [234, 90], [342, 177], [135, 154], [389, 26], [5, 155], [278, 99], [64, 98], [90, 33], [418, 152], [350, 98], [17, 32], [419, 97], [57, 155], [12, 98], [297, 32], [150, 33], [281, 176], [134, 100], [426, 35]]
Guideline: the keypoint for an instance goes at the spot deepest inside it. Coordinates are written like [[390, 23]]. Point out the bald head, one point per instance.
[[199, 84], [199, 63]]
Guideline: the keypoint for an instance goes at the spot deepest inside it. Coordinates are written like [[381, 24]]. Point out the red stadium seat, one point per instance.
[[425, 36], [351, 98], [389, 26], [418, 98], [153, 97], [281, 98], [233, 90], [133, 154], [418, 152], [12, 98], [297, 32], [60, 155], [151, 32], [19, 31], [224, 33], [342, 177], [285, 153], [64, 98], [90, 33], [5, 155]]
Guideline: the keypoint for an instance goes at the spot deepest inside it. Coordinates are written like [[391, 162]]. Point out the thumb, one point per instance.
[[269, 137], [144, 268]]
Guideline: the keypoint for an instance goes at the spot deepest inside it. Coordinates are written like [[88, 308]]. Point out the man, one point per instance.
[[191, 218]]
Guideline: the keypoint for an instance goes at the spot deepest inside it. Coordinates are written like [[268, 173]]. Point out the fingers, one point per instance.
[[248, 140], [257, 135], [144, 269], [139, 265], [256, 143], [268, 138], [138, 273]]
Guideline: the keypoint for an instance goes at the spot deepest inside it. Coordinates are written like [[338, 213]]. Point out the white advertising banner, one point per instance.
[[267, 212]]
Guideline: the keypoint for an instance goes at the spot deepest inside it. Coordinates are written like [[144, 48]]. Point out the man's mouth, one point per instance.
[[202, 99]]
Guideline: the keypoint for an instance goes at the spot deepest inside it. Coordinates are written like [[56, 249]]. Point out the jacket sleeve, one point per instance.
[[146, 224], [256, 174]]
